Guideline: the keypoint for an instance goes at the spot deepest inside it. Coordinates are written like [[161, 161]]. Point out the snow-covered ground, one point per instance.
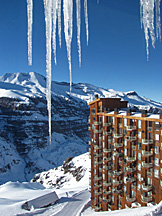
[[74, 197]]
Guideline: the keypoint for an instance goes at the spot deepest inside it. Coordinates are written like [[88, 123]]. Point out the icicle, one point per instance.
[[86, 19], [68, 30], [158, 20], [59, 21], [54, 8], [147, 12], [48, 20], [30, 23], [78, 29]]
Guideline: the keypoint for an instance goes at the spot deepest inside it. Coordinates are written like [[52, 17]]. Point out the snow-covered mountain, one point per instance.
[[24, 144]]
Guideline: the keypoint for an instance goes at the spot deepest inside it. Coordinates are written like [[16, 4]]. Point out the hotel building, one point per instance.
[[126, 155]]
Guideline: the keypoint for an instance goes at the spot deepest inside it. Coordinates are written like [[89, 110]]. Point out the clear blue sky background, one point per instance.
[[115, 57]]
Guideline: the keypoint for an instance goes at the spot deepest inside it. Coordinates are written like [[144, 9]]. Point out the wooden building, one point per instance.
[[126, 155]]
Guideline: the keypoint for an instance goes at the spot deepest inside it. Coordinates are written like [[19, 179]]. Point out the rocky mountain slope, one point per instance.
[[24, 146]]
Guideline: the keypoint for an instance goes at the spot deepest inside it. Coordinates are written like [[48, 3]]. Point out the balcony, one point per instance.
[[98, 178], [107, 124], [131, 179], [97, 123], [118, 154], [130, 199], [107, 150], [97, 185], [97, 162], [131, 127], [97, 155], [106, 159], [109, 173], [149, 174], [106, 200], [133, 187], [118, 191], [97, 131], [107, 133], [130, 159], [115, 182], [118, 145], [147, 164], [121, 162], [96, 147], [118, 135], [97, 208], [105, 167], [106, 192], [147, 141], [147, 153], [133, 147], [146, 187], [120, 125], [107, 184], [130, 169], [97, 193], [149, 128], [146, 199], [131, 138], [117, 173]]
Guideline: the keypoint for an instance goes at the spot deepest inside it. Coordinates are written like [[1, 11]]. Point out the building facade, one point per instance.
[[126, 156]]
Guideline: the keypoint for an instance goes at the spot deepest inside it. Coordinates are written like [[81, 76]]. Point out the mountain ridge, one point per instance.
[[24, 144]]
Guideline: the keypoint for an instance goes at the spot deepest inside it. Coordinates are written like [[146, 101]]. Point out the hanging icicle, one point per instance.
[[59, 21], [54, 10], [48, 21], [30, 23], [158, 20], [78, 29], [68, 30], [147, 21], [86, 19]]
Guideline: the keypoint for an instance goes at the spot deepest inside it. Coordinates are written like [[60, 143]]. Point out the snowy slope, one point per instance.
[[73, 194], [25, 85]]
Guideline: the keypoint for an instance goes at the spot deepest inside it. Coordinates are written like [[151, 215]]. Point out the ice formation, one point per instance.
[[52, 10], [86, 19], [48, 20], [30, 23], [147, 21], [78, 29]]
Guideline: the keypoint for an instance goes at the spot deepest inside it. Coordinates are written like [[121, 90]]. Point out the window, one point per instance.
[[125, 122], [161, 183], [156, 136], [139, 135], [138, 187], [139, 146], [139, 156], [139, 123], [156, 161], [156, 173], [139, 167], [139, 176], [156, 150], [103, 176], [125, 152], [125, 142]]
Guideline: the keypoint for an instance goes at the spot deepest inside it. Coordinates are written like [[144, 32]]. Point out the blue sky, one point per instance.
[[115, 57]]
